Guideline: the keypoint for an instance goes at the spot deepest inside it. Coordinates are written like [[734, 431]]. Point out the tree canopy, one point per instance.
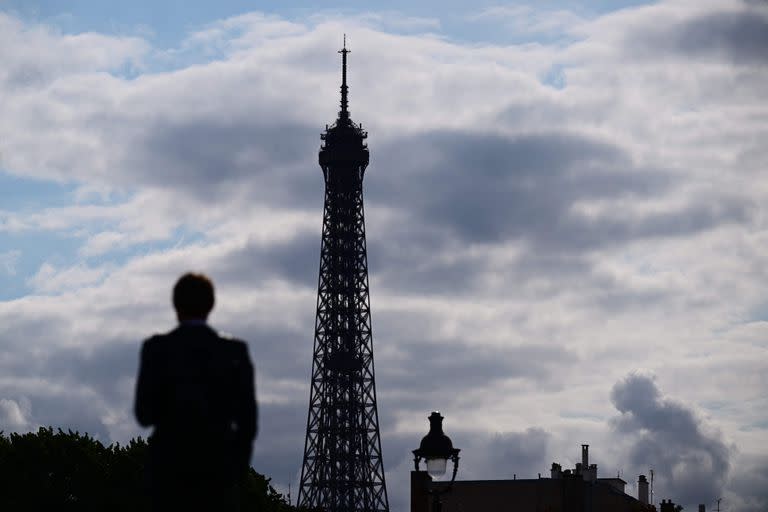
[[58, 470]]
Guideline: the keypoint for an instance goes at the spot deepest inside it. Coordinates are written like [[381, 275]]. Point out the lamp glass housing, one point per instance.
[[436, 467]]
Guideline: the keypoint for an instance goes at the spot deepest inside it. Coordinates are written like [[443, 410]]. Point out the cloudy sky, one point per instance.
[[566, 218]]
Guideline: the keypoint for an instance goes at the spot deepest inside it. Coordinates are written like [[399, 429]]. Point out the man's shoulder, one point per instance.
[[162, 343], [236, 343], [160, 338], [176, 337], [154, 340]]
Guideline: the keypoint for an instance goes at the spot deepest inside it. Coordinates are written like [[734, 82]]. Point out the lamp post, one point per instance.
[[436, 449]]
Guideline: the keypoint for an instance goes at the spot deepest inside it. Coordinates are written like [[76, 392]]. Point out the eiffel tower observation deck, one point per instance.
[[342, 469]]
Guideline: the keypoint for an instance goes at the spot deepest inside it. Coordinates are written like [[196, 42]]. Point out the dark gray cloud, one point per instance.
[[212, 159], [71, 411], [51, 403], [690, 461], [455, 365], [278, 449], [296, 260], [103, 370], [22, 331], [281, 354], [407, 258], [748, 485], [489, 188], [513, 453], [739, 36], [71, 386], [454, 190]]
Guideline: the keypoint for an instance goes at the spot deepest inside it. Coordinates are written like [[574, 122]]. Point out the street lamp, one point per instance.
[[435, 449]]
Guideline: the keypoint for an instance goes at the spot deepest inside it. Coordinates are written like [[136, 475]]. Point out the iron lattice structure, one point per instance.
[[342, 469]]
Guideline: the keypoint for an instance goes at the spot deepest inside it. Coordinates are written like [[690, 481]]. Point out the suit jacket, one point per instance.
[[197, 389]]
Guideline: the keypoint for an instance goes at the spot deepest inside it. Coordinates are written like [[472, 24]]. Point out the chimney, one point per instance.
[[702, 508], [557, 470], [667, 506], [642, 489], [585, 456]]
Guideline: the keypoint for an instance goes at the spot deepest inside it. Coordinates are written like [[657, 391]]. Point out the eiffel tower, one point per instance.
[[342, 469]]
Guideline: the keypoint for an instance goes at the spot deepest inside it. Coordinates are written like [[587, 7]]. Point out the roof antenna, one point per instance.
[[289, 489]]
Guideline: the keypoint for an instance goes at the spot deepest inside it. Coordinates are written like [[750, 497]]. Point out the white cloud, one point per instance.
[[49, 279], [240, 32], [13, 415], [34, 56]]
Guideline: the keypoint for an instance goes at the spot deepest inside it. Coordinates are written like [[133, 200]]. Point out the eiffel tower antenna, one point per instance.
[[344, 114]]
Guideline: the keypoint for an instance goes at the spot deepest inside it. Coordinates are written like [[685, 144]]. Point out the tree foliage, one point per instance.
[[69, 471]]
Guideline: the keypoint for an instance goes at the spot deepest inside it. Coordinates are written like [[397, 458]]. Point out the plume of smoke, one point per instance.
[[691, 460]]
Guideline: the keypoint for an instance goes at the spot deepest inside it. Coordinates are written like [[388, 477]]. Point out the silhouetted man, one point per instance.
[[197, 389]]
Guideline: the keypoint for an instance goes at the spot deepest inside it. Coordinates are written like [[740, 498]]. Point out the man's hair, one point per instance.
[[193, 295]]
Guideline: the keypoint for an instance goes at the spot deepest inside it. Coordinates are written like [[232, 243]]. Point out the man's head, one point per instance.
[[193, 296]]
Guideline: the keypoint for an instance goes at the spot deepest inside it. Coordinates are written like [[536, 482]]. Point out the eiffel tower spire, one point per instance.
[[344, 114]]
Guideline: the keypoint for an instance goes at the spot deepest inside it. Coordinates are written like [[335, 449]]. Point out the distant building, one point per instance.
[[576, 490]]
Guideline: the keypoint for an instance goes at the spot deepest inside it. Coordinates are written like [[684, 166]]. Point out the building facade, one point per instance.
[[571, 490]]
